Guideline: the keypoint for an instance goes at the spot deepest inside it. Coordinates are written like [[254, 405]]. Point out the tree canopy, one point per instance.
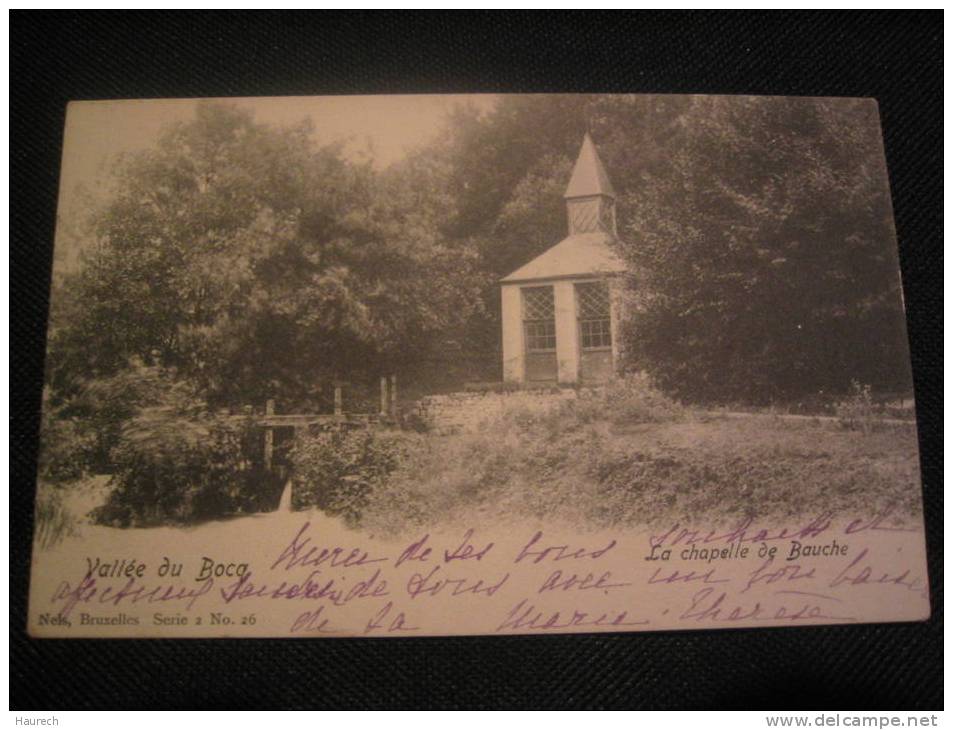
[[765, 253], [257, 266], [253, 263]]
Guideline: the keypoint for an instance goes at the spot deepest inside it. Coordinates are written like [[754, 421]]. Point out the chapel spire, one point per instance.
[[590, 197], [589, 177]]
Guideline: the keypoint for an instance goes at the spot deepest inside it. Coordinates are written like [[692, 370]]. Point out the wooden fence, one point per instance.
[[272, 421]]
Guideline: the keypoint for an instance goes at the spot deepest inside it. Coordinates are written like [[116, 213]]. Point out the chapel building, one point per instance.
[[560, 311]]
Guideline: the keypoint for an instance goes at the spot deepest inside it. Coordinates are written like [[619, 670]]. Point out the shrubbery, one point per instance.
[[625, 401], [339, 470], [634, 399], [79, 434], [856, 410], [176, 462], [628, 455], [65, 448], [534, 457]]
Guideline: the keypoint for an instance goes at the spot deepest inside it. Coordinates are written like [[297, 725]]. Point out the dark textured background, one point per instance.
[[895, 58]]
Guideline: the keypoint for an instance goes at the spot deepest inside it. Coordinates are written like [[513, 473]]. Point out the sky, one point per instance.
[[97, 132]]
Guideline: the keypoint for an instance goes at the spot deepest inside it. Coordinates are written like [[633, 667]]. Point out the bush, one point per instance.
[[440, 475], [80, 432], [623, 402], [65, 448], [339, 470], [174, 468], [857, 410], [634, 399]]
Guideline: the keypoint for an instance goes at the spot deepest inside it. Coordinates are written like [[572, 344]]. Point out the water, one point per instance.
[[284, 505]]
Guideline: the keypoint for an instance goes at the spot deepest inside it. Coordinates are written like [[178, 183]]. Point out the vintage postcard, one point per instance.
[[429, 365]]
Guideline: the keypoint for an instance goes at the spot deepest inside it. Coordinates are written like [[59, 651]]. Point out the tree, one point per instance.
[[764, 255], [256, 266]]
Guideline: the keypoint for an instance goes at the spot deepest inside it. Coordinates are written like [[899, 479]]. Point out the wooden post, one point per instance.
[[393, 396], [384, 396], [338, 401], [269, 434]]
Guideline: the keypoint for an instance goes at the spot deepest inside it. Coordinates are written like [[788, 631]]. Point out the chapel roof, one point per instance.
[[584, 254]]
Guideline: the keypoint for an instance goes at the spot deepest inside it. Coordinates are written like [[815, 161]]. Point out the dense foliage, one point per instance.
[[766, 256], [758, 232], [181, 468], [236, 261], [257, 266], [68, 445], [338, 470]]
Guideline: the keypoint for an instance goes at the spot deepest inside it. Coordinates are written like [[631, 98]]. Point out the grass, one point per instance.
[[626, 456], [62, 509], [632, 457], [53, 520]]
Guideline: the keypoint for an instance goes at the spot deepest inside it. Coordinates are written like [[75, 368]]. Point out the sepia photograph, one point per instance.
[[473, 364]]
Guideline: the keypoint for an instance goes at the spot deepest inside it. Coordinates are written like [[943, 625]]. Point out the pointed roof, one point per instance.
[[584, 254], [589, 176]]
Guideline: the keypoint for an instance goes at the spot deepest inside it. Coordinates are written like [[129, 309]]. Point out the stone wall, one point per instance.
[[468, 412]]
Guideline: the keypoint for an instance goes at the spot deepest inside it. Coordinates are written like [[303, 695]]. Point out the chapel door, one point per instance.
[[595, 331], [539, 334]]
